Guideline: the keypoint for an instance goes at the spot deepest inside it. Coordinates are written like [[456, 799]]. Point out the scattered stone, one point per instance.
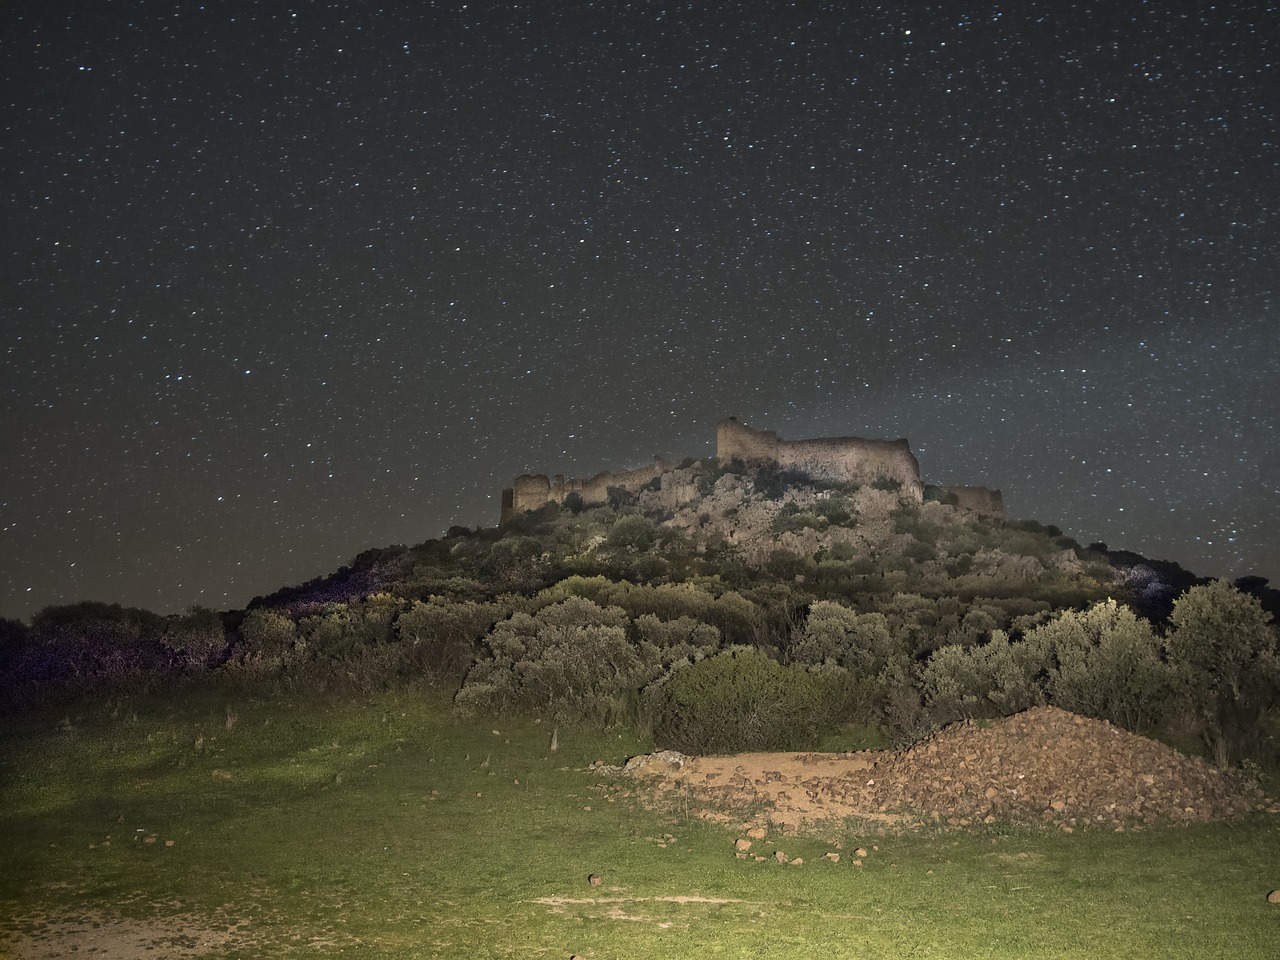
[[594, 880], [742, 846], [170, 843], [1273, 896], [861, 853], [832, 856], [797, 862], [780, 856], [758, 833]]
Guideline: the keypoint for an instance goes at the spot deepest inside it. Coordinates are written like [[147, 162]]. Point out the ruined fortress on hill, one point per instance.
[[844, 459]]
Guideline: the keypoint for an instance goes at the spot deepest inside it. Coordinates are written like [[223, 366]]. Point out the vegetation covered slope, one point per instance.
[[724, 608]]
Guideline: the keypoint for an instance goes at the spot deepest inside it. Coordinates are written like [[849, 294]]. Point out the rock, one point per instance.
[[758, 833], [663, 761], [594, 880], [832, 856], [860, 853], [780, 856], [741, 845], [797, 862], [1273, 896]]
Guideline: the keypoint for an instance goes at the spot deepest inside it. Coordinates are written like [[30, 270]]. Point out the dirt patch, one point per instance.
[[619, 908], [1043, 765], [107, 937]]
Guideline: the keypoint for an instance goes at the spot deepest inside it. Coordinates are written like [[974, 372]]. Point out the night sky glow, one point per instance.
[[286, 281]]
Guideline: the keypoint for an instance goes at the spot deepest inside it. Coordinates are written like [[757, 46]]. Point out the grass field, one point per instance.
[[218, 825]]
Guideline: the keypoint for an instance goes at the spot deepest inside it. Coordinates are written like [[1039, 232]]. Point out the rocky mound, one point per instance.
[[1041, 765], [1048, 764]]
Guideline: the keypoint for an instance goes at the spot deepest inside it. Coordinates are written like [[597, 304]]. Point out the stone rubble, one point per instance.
[[1044, 765]]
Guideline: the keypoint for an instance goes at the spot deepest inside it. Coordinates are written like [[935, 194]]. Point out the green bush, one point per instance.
[[632, 532], [1105, 663], [569, 661], [671, 641], [998, 678], [1223, 650], [861, 643], [740, 700], [935, 494], [771, 481], [440, 637], [268, 642]]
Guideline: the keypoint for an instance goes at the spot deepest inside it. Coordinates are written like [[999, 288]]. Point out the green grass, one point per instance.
[[388, 829]]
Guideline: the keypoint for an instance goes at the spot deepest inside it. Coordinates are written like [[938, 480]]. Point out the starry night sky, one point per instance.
[[286, 281]]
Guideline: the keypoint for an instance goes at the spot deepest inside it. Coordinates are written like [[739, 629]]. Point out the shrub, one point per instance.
[[1105, 664], [441, 636], [1223, 651], [195, 639], [268, 640], [569, 661], [771, 481], [738, 700], [998, 678], [935, 494], [632, 532], [620, 497], [670, 641], [861, 643]]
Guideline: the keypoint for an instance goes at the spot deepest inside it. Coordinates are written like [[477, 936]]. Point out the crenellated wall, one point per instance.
[[850, 459]]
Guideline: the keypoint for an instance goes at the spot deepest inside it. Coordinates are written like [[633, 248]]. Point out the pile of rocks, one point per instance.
[[1050, 765], [1043, 765]]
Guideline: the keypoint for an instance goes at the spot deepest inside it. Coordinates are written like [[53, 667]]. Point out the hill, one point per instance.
[[826, 607]]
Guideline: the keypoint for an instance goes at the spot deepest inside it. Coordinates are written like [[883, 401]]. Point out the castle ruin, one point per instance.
[[843, 459], [532, 491]]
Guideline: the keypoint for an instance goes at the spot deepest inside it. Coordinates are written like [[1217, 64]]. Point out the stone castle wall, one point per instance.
[[533, 491], [979, 501], [848, 459]]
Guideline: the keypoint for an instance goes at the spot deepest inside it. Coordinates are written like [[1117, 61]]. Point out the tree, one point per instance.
[[1223, 648]]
